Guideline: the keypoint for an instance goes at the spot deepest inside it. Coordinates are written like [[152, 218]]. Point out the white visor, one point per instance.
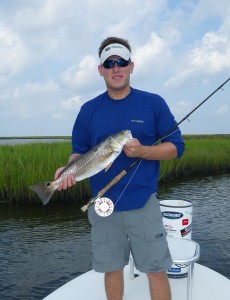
[[115, 49]]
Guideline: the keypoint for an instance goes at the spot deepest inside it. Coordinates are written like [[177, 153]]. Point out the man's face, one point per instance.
[[116, 78]]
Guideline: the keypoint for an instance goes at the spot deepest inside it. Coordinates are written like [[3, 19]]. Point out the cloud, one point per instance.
[[151, 60], [208, 54], [150, 51], [12, 52], [223, 110], [80, 75], [68, 106], [211, 56], [28, 100], [71, 103], [180, 108]]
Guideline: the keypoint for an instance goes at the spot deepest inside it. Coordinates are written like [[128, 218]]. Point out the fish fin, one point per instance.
[[44, 191], [107, 167]]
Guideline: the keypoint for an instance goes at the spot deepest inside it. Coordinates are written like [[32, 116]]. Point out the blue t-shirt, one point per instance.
[[148, 118]]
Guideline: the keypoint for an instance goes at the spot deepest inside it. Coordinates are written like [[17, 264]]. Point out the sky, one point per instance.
[[49, 59]]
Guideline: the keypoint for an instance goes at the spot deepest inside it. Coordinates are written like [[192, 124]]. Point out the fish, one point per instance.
[[86, 165]]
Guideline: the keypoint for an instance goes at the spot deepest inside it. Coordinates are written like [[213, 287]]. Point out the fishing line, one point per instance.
[[128, 183], [141, 159], [125, 171]]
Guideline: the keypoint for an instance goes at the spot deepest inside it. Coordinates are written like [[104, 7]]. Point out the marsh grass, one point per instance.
[[24, 165], [206, 155]]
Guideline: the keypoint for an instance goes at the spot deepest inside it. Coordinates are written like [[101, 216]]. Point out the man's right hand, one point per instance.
[[67, 182]]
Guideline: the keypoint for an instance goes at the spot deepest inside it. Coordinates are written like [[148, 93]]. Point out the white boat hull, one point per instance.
[[207, 284]]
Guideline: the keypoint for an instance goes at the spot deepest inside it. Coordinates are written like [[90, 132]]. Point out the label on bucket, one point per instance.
[[186, 231], [172, 215], [174, 270], [185, 222]]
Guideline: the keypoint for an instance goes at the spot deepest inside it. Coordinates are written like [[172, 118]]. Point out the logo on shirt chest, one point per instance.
[[137, 121]]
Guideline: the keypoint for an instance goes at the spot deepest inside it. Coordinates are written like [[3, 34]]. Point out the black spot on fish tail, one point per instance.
[[44, 191]]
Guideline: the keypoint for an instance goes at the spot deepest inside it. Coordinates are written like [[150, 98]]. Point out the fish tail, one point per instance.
[[44, 191]]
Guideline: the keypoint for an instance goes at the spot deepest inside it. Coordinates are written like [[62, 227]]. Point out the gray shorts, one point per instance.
[[140, 231]]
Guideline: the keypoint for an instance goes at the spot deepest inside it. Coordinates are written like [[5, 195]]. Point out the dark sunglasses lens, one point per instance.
[[108, 64], [122, 63]]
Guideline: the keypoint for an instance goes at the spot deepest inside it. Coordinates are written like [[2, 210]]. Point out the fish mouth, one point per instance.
[[121, 138], [129, 134]]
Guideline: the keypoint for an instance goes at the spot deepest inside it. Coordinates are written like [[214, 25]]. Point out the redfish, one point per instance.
[[92, 162]]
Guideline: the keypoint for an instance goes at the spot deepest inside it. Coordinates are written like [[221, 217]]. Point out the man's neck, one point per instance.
[[119, 94]]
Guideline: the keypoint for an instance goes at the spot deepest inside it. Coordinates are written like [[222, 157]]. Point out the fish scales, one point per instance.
[[88, 165]]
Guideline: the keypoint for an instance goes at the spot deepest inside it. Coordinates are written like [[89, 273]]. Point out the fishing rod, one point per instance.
[[125, 171]]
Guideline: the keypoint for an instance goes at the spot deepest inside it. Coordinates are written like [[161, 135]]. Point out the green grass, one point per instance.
[[203, 155], [24, 165]]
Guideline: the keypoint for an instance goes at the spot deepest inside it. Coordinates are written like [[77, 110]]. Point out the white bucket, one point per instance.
[[177, 220]]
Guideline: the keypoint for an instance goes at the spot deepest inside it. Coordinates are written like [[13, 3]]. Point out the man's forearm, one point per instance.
[[162, 151]]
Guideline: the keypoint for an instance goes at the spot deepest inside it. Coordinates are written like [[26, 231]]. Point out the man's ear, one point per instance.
[[131, 67], [100, 70]]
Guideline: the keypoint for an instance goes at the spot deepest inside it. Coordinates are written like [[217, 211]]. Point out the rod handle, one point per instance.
[[112, 182], [105, 189], [84, 208]]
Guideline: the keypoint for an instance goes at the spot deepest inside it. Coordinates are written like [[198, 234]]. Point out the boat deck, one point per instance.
[[207, 284]]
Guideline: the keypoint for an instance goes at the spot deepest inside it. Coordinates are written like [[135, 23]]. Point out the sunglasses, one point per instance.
[[110, 63]]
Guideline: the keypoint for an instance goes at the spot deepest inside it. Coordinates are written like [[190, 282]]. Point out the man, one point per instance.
[[136, 223]]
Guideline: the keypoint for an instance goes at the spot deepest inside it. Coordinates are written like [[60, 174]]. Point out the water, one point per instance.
[[43, 248], [211, 207], [20, 141], [40, 250]]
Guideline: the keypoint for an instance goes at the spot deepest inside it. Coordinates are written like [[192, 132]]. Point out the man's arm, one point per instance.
[[162, 151]]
